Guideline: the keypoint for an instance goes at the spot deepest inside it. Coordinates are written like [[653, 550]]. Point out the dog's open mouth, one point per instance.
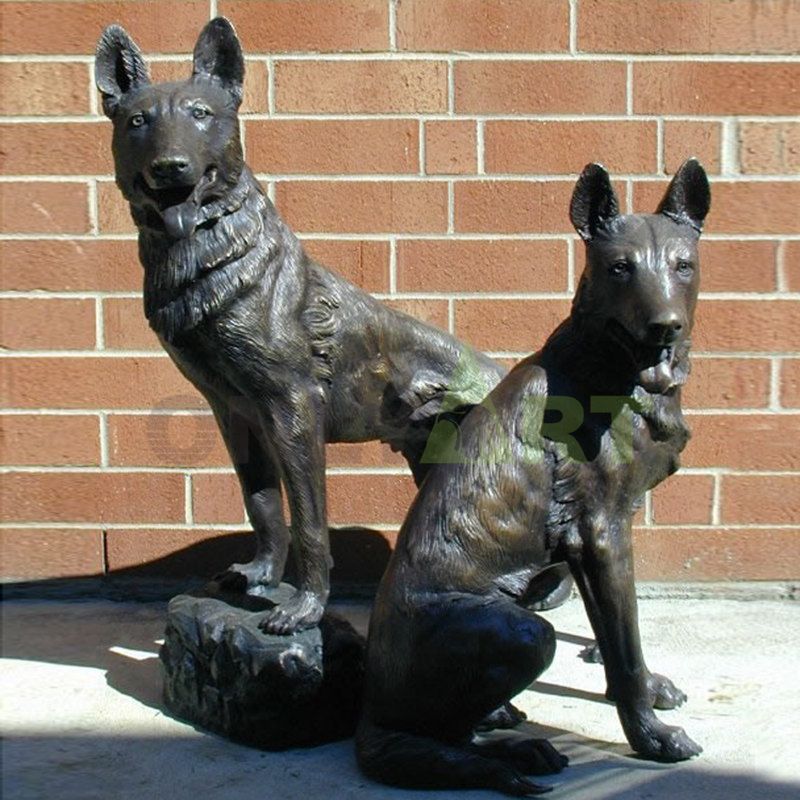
[[179, 206], [653, 362]]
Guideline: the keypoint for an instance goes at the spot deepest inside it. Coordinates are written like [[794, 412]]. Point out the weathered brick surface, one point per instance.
[[51, 324], [699, 26], [329, 147], [315, 87], [32, 440], [43, 88], [427, 154], [546, 87], [483, 25], [771, 148], [309, 25], [564, 147]]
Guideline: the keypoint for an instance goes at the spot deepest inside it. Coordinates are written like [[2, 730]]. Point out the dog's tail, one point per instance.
[[410, 761]]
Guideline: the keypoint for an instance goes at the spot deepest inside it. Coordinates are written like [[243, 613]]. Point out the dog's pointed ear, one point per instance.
[[118, 67], [593, 201], [218, 55], [688, 196]]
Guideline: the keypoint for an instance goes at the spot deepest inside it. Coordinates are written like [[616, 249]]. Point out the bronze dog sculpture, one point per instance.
[[548, 472], [288, 354]]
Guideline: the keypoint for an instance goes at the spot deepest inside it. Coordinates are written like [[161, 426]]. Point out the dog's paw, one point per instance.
[[302, 610], [536, 757], [507, 780], [241, 577], [660, 742], [664, 693], [504, 717]]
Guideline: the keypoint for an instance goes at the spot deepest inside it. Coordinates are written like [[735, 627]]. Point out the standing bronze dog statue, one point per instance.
[[288, 354], [548, 471]]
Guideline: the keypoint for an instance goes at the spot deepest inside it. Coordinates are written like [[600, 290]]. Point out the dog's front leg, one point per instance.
[[603, 569], [294, 424], [260, 482]]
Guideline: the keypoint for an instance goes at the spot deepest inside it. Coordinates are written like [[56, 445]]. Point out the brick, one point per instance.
[[71, 148], [771, 148], [705, 554], [325, 26], [759, 207], [364, 206], [744, 441], [217, 498], [761, 499], [365, 87], [790, 383], [685, 138], [52, 324], [504, 265], [255, 90], [519, 146], [731, 266], [363, 454], [49, 440], [175, 552], [675, 26], [791, 265], [165, 440], [728, 383], [712, 88], [524, 26], [515, 206], [113, 211], [69, 266], [432, 312], [520, 326], [97, 383], [747, 325], [125, 326], [333, 146], [43, 207], [92, 497], [364, 263], [46, 88], [683, 500], [451, 147], [37, 553], [74, 27], [368, 499], [543, 87]]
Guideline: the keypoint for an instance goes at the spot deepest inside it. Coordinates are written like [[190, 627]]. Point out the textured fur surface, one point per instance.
[[288, 354], [549, 470]]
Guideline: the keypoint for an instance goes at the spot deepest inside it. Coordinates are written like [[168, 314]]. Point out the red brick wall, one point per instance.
[[427, 149]]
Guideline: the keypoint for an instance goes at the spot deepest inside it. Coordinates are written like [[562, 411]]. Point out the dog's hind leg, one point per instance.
[[420, 762], [260, 483], [421, 709]]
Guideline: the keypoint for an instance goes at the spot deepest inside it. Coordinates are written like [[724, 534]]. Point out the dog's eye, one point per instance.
[[619, 269], [136, 121], [201, 112], [685, 268]]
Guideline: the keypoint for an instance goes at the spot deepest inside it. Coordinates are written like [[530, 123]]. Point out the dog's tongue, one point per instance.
[[180, 221], [658, 378]]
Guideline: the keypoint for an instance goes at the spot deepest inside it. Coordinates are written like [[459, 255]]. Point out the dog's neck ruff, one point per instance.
[[592, 361], [189, 280]]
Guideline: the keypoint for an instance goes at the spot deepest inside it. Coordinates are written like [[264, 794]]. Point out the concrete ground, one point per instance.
[[82, 718]]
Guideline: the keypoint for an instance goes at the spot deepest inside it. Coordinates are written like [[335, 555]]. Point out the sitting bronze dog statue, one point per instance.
[[288, 355], [547, 471]]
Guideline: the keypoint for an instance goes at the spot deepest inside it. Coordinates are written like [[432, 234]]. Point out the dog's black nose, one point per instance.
[[664, 329], [169, 168]]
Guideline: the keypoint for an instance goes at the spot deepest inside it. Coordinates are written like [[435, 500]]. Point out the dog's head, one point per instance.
[[642, 273], [176, 145]]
